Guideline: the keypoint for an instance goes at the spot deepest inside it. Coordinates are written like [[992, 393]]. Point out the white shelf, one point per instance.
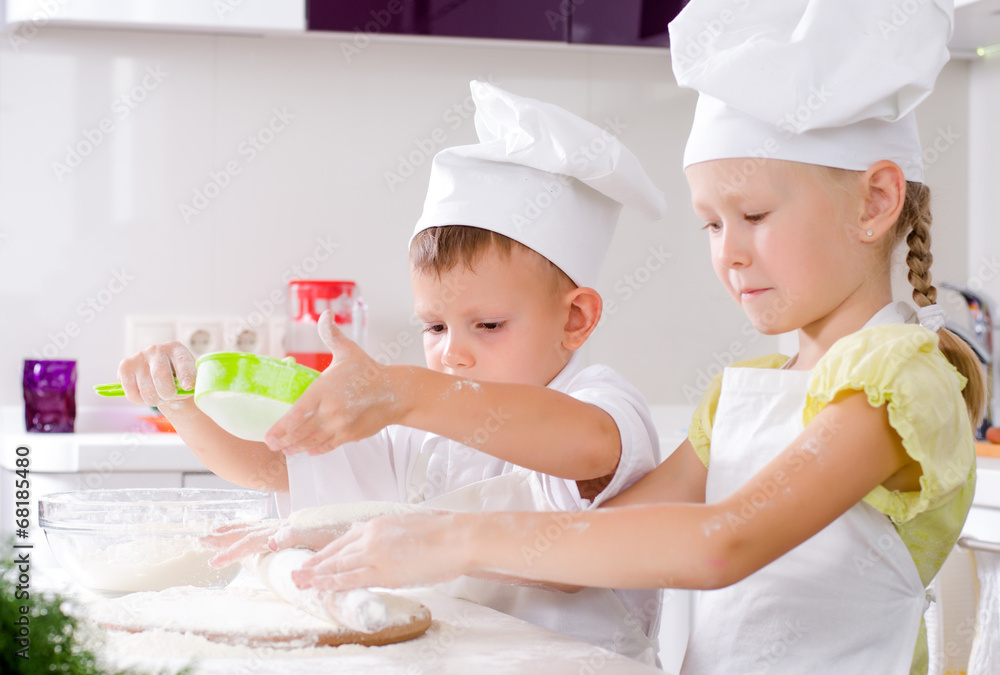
[[108, 439]]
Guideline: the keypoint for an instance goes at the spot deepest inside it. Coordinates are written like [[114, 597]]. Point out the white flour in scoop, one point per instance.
[[245, 416]]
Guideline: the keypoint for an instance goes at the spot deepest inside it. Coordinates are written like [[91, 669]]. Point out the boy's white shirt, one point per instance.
[[401, 464]]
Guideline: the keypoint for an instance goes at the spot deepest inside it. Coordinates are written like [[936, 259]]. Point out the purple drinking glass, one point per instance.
[[49, 396]]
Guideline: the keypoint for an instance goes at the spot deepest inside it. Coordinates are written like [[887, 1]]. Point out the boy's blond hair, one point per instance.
[[437, 250]]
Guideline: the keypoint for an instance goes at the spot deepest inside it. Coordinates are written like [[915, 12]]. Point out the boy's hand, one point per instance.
[[148, 376], [352, 399], [390, 552]]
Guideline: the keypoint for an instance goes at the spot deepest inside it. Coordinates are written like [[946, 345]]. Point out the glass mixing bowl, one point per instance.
[[120, 541]]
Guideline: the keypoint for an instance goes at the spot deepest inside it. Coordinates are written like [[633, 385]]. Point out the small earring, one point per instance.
[[870, 233]]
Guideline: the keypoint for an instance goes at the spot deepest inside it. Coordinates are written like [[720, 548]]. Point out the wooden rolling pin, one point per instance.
[[359, 609]]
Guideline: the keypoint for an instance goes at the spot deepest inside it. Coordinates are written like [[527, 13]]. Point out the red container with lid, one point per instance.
[[308, 299]]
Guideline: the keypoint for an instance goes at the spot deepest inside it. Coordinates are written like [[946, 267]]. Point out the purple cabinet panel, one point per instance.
[[509, 19]]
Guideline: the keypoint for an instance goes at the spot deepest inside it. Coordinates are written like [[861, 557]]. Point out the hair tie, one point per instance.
[[931, 317]]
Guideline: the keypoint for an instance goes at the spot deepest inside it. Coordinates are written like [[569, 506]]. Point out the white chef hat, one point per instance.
[[830, 82], [541, 176]]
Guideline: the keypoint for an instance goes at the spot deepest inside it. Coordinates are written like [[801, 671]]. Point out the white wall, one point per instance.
[[983, 272], [64, 237]]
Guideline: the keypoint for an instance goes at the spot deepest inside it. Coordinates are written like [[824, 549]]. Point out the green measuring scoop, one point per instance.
[[243, 393]]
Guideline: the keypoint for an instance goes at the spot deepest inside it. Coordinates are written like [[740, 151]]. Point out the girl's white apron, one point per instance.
[[848, 600]]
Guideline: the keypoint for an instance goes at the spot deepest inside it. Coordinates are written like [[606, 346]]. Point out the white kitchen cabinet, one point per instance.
[[26, 17]]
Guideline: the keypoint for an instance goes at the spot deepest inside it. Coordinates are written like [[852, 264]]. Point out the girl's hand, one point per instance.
[[352, 399], [239, 540], [391, 552], [148, 376]]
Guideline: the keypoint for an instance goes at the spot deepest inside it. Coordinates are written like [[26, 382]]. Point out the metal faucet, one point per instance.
[[981, 342]]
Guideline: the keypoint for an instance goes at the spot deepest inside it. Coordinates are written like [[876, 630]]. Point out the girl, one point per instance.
[[816, 496]]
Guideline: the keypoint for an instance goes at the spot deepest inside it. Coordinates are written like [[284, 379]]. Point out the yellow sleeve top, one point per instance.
[[898, 366]]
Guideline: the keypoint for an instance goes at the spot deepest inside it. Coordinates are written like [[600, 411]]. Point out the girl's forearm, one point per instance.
[[656, 546], [252, 465], [534, 427]]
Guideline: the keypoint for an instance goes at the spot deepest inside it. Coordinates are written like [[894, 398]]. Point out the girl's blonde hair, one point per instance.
[[914, 225]]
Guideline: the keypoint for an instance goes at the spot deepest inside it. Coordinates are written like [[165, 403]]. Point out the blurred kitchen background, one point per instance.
[[184, 172], [167, 167]]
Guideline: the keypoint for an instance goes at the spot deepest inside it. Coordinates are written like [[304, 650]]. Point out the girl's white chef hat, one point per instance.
[[541, 176], [830, 82]]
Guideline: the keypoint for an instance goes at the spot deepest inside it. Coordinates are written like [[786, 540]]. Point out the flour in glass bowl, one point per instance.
[[144, 564]]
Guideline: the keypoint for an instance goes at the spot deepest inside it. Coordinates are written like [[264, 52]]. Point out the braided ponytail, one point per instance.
[[915, 222]]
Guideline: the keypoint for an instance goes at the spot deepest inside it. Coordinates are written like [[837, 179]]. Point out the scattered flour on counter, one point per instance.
[[164, 648], [240, 615]]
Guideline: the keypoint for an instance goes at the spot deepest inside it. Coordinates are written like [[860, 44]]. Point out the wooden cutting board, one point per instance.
[[251, 617]]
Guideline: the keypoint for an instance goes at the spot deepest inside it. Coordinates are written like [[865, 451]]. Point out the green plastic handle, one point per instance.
[[115, 389]]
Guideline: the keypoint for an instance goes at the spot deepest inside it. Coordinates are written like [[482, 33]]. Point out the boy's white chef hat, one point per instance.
[[830, 82], [541, 176]]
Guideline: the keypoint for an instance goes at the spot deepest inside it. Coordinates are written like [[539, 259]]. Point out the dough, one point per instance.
[[358, 609]]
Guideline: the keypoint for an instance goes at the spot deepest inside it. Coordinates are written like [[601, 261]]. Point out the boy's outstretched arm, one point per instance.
[[531, 426], [147, 378]]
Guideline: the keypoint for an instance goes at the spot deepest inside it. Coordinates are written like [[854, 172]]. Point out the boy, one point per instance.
[[504, 417]]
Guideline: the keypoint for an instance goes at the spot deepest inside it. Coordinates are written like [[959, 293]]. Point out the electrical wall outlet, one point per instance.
[[240, 336], [204, 334], [201, 335]]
